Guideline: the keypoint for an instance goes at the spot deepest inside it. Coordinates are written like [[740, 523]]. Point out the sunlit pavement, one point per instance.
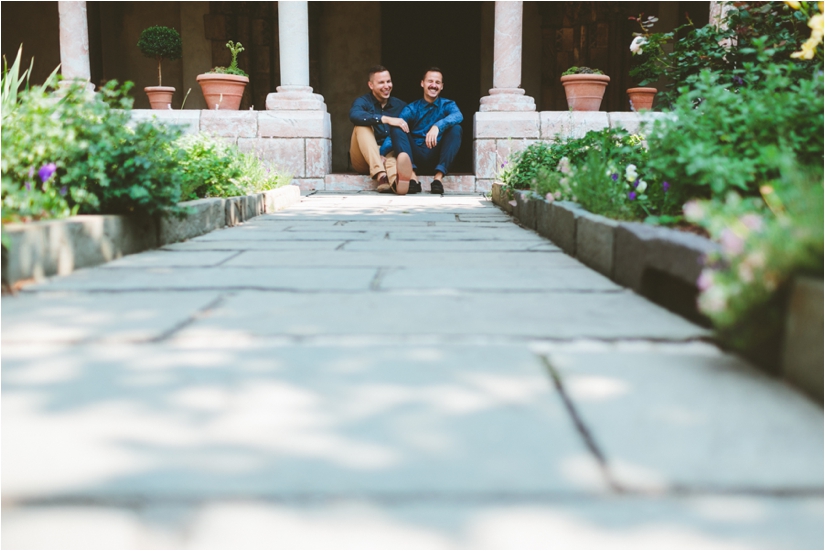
[[365, 371]]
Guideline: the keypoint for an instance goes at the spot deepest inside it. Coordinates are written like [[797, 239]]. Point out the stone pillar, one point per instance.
[[506, 94], [294, 93], [74, 43], [718, 13]]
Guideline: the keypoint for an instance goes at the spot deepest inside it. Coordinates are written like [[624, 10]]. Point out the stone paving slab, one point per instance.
[[285, 420], [168, 259], [491, 278], [187, 279], [446, 315], [250, 245], [61, 317], [457, 246], [419, 259], [708, 421]]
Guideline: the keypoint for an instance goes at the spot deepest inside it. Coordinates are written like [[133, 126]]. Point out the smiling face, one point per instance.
[[381, 86], [432, 85]]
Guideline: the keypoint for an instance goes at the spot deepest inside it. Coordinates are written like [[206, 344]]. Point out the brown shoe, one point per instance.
[[404, 165], [383, 183]]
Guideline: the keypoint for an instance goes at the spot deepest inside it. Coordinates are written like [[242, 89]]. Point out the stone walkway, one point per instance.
[[365, 371]]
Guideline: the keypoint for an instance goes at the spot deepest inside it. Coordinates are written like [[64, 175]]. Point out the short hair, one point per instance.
[[376, 69], [432, 70]]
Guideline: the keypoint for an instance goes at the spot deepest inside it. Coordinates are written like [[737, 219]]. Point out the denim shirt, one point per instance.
[[367, 111], [421, 116]]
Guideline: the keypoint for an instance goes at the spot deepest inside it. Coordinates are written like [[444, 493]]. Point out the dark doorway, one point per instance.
[[418, 35]]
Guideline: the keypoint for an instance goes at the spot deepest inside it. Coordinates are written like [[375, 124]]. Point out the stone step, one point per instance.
[[454, 183]]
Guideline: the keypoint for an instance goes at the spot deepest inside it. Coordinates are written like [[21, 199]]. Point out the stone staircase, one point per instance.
[[455, 183]]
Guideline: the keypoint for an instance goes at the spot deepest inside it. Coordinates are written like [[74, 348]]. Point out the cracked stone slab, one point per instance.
[[167, 259], [543, 315], [699, 421], [54, 317], [419, 259], [159, 422], [176, 279]]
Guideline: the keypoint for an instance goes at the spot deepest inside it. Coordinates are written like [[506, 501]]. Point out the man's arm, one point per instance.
[[452, 118], [360, 114]]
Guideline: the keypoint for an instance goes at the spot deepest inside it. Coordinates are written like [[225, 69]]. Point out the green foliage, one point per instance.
[[765, 242], [582, 71], [160, 43], [759, 36], [720, 139], [211, 168], [233, 68], [649, 59]]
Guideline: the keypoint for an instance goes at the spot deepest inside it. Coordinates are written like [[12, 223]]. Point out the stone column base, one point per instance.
[[507, 99], [295, 98]]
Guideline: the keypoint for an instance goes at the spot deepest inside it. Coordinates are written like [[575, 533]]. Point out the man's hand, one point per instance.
[[394, 121], [432, 137]]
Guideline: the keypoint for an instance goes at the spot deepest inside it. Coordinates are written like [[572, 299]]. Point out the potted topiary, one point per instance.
[[160, 43], [223, 86], [584, 88]]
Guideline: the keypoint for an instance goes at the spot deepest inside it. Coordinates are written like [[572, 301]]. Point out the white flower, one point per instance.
[[564, 165], [630, 173], [693, 211], [636, 45], [549, 197], [642, 186]]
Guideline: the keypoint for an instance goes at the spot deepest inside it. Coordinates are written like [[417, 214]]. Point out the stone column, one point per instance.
[[74, 43], [294, 93], [506, 94], [718, 14]]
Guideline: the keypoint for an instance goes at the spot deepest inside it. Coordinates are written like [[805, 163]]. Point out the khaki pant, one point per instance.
[[365, 157]]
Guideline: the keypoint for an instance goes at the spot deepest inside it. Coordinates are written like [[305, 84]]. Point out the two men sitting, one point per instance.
[[393, 140]]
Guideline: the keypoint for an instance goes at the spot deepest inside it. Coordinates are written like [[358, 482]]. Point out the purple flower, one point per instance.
[[46, 172], [665, 186], [63, 191], [632, 195], [636, 183], [28, 186], [615, 176], [738, 81]]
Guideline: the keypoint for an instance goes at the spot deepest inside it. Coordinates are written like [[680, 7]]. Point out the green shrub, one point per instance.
[[720, 139], [160, 43], [211, 168]]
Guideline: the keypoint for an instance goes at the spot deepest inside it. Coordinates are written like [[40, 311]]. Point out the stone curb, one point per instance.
[[663, 265], [58, 247]]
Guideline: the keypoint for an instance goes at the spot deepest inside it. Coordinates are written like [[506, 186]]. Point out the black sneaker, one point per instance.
[[415, 187], [436, 188]]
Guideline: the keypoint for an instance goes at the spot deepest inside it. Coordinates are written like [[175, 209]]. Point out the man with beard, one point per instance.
[[373, 114], [433, 138]]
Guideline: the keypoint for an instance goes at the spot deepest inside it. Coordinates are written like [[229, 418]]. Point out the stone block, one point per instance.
[[630, 253], [484, 186], [308, 184], [318, 157], [484, 158], [506, 148], [348, 182], [544, 217], [525, 210], [453, 183], [282, 197], [229, 124], [594, 241], [234, 211], [635, 123], [501, 197], [203, 216], [187, 121], [571, 124], [802, 363], [285, 155], [506, 125], [58, 247], [294, 124], [562, 225]]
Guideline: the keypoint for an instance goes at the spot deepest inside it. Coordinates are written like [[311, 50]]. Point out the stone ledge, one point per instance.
[[513, 124], [802, 363], [58, 247], [188, 120]]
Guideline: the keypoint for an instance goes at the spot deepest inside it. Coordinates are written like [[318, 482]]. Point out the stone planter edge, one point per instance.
[[58, 247]]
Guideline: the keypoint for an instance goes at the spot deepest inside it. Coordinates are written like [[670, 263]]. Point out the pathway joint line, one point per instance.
[[202, 313], [589, 440]]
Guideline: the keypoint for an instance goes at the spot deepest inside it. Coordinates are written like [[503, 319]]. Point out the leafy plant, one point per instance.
[[233, 68], [160, 43], [582, 71], [720, 139], [649, 60]]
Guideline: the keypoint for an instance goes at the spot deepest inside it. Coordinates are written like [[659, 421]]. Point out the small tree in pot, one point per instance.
[[160, 43], [223, 87]]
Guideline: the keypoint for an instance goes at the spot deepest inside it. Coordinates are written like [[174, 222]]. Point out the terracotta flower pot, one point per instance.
[[584, 92], [160, 97], [222, 91], [641, 99]]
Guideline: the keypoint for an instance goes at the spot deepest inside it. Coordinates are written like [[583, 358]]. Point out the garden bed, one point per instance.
[[37, 250], [664, 265]]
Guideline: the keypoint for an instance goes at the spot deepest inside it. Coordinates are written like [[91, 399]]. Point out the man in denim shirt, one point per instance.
[[373, 114], [434, 136]]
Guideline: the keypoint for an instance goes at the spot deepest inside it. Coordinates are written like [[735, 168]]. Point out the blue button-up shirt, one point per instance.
[[367, 111], [421, 116]]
